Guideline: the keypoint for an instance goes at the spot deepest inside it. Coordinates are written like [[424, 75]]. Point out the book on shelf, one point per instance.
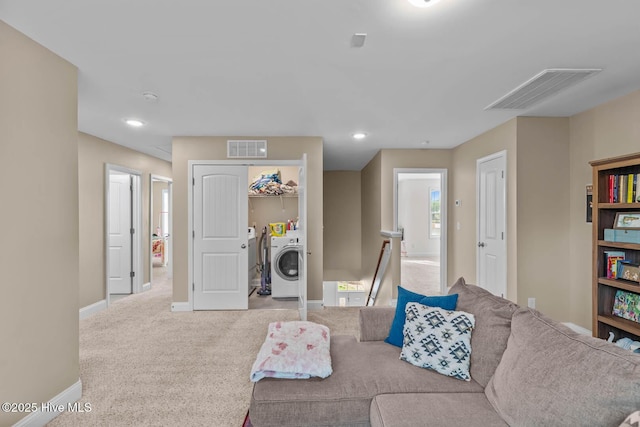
[[623, 188], [612, 258]]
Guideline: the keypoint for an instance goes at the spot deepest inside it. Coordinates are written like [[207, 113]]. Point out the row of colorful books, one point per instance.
[[612, 258], [623, 188]]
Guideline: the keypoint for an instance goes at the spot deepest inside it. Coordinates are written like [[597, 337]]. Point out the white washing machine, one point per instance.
[[284, 266]]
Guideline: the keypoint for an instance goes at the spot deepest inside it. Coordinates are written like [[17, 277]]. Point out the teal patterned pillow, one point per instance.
[[438, 339], [632, 420]]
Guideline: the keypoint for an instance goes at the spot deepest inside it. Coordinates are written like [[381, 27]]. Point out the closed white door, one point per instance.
[[302, 226], [492, 244], [220, 240], [120, 250]]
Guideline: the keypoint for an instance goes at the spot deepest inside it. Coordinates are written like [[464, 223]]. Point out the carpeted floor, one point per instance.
[[142, 365], [421, 274]]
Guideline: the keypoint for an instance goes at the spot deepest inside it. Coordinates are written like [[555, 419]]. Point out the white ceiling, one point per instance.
[[286, 67]]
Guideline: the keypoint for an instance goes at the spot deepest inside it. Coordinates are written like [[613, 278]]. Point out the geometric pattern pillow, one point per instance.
[[438, 339], [632, 420]]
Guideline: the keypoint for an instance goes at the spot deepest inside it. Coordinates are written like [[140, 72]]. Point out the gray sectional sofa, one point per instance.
[[526, 370]]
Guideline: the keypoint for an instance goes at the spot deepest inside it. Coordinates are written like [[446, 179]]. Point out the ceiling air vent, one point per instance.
[[541, 86], [244, 148]]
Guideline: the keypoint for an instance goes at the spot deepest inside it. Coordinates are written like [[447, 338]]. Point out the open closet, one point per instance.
[[273, 218], [238, 237]]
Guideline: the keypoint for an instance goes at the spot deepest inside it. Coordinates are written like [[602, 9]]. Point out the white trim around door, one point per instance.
[[443, 214], [491, 223], [169, 249], [136, 210]]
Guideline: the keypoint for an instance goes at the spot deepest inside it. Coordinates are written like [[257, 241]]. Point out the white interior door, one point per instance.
[[220, 216], [492, 244], [120, 247], [302, 221]]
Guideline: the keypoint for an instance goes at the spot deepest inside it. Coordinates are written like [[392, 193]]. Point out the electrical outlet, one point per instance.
[[531, 303]]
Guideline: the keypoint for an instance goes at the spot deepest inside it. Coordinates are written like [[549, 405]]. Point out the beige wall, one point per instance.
[[342, 226], [392, 159], [215, 148], [543, 213], [39, 253], [462, 185], [93, 154], [377, 205], [611, 129], [371, 223]]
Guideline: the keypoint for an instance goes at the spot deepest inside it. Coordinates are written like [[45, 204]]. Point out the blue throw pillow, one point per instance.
[[446, 302]]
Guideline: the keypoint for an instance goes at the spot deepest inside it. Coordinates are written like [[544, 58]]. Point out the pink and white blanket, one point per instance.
[[297, 349]]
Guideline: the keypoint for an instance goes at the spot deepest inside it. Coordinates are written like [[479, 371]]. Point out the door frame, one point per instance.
[[136, 212], [169, 181], [444, 213], [497, 155], [190, 221]]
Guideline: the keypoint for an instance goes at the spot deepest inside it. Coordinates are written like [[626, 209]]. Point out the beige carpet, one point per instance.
[[142, 365], [421, 274]]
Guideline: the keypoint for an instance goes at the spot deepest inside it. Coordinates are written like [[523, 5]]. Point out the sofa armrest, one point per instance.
[[375, 323]]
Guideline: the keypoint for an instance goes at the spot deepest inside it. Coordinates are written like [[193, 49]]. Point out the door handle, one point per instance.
[[481, 244], [243, 246]]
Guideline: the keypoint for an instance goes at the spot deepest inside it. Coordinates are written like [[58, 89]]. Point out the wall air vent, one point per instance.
[[541, 86], [244, 148]]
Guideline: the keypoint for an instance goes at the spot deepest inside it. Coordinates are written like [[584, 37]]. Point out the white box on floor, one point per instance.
[[329, 294]]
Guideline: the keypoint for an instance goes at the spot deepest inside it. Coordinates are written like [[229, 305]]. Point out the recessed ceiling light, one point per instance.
[[423, 3], [134, 122], [359, 136]]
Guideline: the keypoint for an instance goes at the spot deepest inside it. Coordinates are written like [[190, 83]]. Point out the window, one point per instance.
[[434, 213]]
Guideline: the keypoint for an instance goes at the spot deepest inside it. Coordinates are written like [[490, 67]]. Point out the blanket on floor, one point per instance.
[[298, 349]]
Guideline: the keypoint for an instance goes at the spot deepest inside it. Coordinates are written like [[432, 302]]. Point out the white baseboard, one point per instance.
[[578, 329], [314, 304], [180, 306], [49, 409], [92, 309], [146, 286]]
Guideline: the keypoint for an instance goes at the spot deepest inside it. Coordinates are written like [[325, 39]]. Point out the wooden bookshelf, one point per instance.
[[604, 212]]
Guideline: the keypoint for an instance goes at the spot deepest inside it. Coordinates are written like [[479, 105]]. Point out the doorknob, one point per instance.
[[481, 244], [243, 246]]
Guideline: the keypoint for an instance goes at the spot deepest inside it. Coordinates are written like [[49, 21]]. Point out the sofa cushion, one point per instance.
[[433, 410], [375, 322], [361, 370], [438, 339], [551, 375], [448, 302], [493, 325]]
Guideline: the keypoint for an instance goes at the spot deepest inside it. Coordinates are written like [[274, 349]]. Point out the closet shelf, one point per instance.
[[272, 196]]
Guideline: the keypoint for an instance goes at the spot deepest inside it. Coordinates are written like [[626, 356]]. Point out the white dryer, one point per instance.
[[284, 266]]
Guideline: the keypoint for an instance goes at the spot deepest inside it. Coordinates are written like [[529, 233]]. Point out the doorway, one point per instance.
[[123, 236], [219, 241], [160, 229], [491, 216], [420, 216]]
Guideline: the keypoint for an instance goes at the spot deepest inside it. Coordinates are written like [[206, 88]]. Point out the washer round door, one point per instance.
[[286, 263]]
